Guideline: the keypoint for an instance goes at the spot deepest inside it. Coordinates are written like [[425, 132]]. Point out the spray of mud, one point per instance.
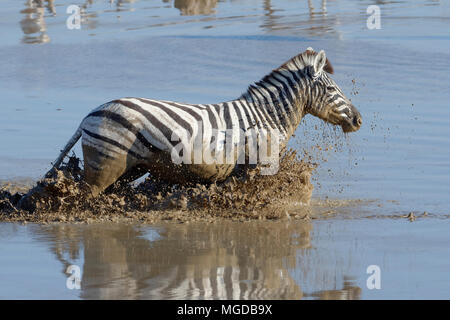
[[63, 198]]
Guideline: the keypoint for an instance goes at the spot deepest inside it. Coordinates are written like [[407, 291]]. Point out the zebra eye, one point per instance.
[[330, 88]]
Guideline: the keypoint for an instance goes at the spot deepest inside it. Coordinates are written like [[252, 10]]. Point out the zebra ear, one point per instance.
[[320, 61]]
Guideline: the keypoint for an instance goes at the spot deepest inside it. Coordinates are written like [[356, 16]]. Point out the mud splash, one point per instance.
[[62, 198]]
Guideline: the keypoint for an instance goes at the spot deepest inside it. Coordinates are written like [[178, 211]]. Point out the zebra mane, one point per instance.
[[303, 60], [298, 62]]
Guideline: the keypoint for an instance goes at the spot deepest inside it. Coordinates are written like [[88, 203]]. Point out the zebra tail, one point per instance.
[[76, 136]]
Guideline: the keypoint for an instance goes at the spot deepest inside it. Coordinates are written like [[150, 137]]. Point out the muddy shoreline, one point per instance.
[[251, 196]]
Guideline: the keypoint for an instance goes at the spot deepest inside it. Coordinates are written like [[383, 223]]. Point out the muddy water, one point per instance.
[[324, 259], [366, 185]]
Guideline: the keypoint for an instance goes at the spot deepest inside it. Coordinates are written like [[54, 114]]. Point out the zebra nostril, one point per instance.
[[357, 121]]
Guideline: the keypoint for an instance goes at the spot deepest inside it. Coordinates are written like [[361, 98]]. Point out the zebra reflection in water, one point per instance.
[[193, 261], [33, 22]]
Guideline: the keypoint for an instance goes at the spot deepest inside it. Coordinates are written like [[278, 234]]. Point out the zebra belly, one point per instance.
[[161, 167], [105, 163]]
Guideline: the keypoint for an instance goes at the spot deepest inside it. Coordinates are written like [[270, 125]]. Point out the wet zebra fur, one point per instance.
[[128, 137]]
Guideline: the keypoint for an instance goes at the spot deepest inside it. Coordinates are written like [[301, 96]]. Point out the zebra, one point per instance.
[[128, 137]]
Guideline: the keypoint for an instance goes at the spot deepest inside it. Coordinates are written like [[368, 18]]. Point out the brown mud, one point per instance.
[[61, 198]]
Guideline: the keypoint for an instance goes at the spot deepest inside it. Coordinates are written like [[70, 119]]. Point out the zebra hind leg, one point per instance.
[[101, 171]]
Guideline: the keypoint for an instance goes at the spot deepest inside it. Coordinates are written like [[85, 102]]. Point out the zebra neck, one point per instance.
[[281, 97]]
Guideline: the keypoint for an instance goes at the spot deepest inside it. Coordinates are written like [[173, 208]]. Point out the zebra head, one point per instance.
[[327, 100]]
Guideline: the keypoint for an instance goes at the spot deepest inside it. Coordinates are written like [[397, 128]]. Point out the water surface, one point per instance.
[[327, 259]]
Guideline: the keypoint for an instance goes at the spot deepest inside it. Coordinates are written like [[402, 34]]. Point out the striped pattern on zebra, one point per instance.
[[125, 138]]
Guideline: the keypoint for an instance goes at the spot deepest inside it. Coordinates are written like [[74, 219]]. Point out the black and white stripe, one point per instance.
[[140, 126]]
